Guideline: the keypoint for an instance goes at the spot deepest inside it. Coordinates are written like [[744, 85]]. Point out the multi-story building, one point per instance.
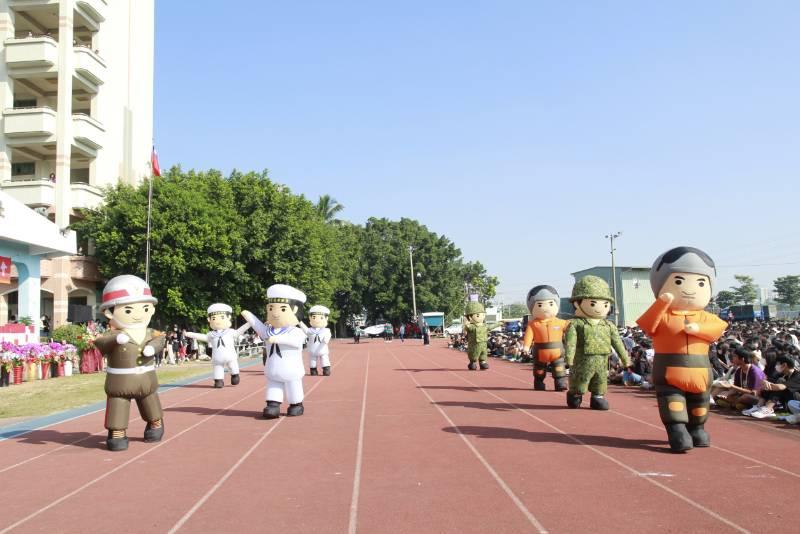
[[76, 95]]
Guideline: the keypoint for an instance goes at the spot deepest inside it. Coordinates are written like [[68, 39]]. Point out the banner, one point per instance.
[[5, 270]]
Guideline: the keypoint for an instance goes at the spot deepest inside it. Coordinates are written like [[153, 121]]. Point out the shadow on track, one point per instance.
[[489, 432], [501, 406]]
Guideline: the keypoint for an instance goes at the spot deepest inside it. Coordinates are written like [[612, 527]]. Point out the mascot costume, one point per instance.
[[682, 279], [130, 348], [477, 335], [319, 335], [546, 331], [222, 340]]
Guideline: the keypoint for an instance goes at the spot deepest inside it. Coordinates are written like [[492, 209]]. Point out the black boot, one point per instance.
[[272, 410], [561, 384], [484, 366], [472, 366], [679, 438], [234, 379], [574, 400], [153, 434], [538, 383], [314, 371], [117, 444], [295, 409], [326, 371], [218, 383], [699, 436], [598, 402]]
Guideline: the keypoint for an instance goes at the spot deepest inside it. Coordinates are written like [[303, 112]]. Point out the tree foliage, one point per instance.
[[726, 299], [516, 309], [788, 289], [746, 291]]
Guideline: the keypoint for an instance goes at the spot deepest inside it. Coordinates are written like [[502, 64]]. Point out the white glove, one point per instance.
[[122, 339], [148, 351]]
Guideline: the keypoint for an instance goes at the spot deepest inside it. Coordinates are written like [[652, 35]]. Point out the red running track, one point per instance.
[[402, 438]]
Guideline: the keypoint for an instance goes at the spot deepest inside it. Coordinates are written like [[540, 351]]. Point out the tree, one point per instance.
[[726, 299], [327, 207], [788, 290], [746, 292], [478, 281], [516, 309]]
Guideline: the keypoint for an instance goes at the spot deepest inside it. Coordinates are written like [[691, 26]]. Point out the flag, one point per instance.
[[5, 270], [154, 163]]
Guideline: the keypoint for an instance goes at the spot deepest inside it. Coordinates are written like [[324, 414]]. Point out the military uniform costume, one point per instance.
[[477, 337], [588, 345]]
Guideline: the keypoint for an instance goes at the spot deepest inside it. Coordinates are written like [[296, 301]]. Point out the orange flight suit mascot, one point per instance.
[[682, 280], [545, 331]]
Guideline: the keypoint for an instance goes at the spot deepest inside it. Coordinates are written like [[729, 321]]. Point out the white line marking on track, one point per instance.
[[32, 458], [608, 457], [120, 466], [359, 456], [235, 466], [527, 513]]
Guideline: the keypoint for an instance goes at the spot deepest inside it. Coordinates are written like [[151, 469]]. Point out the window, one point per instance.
[[27, 168], [25, 103]]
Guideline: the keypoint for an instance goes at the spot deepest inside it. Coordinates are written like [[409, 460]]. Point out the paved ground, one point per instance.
[[401, 438]]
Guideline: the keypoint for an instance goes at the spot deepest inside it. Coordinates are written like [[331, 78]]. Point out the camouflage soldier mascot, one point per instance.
[[589, 340], [477, 335], [545, 331], [130, 348], [682, 279]]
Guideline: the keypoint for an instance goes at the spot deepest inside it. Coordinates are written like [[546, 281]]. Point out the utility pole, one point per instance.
[[612, 237], [413, 288]]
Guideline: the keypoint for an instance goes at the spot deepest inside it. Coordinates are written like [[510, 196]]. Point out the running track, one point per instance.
[[401, 438]]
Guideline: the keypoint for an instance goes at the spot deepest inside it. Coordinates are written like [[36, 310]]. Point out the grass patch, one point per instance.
[[43, 397]]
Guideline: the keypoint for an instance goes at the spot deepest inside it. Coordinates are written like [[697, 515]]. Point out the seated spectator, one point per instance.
[[747, 380], [784, 389]]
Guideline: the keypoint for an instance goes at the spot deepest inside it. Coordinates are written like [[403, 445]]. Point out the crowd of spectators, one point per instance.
[[755, 366]]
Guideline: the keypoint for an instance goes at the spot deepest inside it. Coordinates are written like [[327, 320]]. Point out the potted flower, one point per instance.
[[70, 358], [17, 363], [57, 357], [5, 366]]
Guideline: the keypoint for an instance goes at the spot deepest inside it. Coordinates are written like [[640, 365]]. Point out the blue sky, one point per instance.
[[524, 131]]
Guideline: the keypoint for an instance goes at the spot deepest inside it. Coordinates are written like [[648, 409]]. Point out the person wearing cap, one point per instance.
[[477, 335], [588, 342], [222, 340], [682, 280], [130, 347], [283, 343], [319, 335], [545, 332]]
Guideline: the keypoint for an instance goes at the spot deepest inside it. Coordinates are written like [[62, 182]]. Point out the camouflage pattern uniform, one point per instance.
[[477, 336], [588, 344]]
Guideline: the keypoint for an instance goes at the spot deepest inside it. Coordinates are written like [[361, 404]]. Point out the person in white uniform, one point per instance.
[[319, 335], [222, 340], [283, 360]]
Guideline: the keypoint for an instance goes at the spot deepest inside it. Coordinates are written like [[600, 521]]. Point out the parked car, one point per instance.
[[454, 329], [375, 330]]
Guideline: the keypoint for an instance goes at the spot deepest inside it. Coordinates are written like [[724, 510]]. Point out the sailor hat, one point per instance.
[[283, 293], [319, 309], [219, 308]]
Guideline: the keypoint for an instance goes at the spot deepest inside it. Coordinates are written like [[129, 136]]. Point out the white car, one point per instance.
[[454, 329], [375, 330]]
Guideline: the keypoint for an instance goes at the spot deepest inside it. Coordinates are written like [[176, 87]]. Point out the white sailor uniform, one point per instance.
[[223, 350], [284, 368], [318, 339]]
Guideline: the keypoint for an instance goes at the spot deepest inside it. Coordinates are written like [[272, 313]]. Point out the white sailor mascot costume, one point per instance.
[[222, 340], [318, 338], [283, 362]]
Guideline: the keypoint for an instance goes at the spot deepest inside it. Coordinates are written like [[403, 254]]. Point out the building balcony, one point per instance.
[[91, 12], [33, 193], [87, 134], [84, 268], [22, 125], [37, 54], [90, 70], [85, 196]]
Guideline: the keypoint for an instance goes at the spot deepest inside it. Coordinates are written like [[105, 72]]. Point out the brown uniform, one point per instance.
[[128, 378]]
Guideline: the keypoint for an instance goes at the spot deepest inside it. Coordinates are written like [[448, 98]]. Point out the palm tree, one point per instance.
[[328, 207]]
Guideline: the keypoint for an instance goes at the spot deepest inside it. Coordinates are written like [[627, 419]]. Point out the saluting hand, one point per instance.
[[667, 297]]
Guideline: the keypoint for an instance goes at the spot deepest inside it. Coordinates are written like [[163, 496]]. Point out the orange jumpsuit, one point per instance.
[[681, 368], [546, 336]]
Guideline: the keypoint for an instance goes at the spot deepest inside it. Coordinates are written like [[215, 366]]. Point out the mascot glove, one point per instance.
[[148, 351], [122, 339]]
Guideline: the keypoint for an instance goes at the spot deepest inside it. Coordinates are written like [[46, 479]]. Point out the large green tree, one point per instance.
[[746, 291], [725, 298], [328, 207], [788, 289]]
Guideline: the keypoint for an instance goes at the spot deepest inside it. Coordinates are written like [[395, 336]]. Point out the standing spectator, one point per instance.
[[402, 333], [388, 333], [426, 334], [357, 335]]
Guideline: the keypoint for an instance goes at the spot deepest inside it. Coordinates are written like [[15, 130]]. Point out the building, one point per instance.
[[634, 294], [76, 94], [26, 243]]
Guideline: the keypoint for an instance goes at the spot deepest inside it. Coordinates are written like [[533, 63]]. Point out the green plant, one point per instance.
[[27, 321]]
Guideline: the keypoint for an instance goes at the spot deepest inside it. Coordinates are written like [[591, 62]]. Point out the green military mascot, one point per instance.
[[589, 340], [477, 335]]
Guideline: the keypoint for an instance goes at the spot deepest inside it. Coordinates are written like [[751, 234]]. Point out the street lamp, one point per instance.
[[612, 237], [413, 288]]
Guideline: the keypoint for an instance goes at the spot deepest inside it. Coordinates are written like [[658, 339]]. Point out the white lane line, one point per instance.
[[527, 513], [359, 455], [716, 447], [120, 466], [669, 490], [10, 467], [182, 521]]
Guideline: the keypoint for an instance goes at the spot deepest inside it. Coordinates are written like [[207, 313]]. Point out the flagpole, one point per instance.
[[149, 209]]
